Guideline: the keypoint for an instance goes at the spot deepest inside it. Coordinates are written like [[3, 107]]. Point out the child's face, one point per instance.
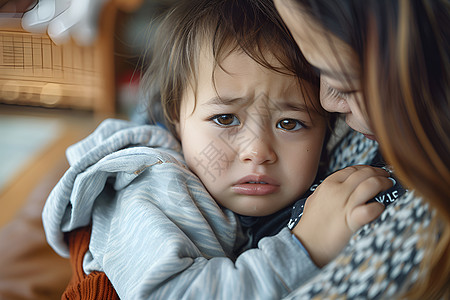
[[256, 149]]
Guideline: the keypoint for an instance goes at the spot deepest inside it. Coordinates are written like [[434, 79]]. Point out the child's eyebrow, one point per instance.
[[226, 101], [283, 106], [290, 106]]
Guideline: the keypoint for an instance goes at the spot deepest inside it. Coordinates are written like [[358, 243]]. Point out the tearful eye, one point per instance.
[[226, 120], [290, 124]]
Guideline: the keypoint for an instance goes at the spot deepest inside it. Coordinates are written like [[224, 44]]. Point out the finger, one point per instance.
[[342, 184], [361, 212], [342, 175], [61, 27], [37, 19], [364, 214], [369, 188], [363, 173], [59, 32], [79, 21]]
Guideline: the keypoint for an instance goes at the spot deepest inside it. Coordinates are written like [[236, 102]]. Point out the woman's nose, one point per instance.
[[259, 151]]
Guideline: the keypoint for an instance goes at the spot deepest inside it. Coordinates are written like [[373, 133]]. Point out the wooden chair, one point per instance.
[[35, 71]]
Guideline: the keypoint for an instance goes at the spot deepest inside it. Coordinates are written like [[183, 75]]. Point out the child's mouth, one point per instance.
[[256, 185]]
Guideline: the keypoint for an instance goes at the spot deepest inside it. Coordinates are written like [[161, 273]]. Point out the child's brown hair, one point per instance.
[[223, 26]]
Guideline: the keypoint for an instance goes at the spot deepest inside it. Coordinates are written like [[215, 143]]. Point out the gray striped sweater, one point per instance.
[[156, 232]]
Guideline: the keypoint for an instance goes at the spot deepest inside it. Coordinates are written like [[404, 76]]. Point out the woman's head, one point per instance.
[[385, 64], [335, 60], [391, 58]]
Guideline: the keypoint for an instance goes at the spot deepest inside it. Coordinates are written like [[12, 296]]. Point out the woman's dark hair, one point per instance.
[[403, 51]]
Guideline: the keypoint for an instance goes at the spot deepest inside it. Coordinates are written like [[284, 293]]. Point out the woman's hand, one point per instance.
[[63, 19], [337, 208]]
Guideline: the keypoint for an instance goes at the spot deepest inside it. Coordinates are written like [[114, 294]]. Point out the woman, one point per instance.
[[385, 66]]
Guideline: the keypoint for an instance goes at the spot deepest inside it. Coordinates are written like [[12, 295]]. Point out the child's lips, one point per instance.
[[256, 185], [255, 189]]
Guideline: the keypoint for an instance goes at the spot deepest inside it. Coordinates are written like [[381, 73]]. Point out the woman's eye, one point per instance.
[[226, 120], [335, 93], [290, 125]]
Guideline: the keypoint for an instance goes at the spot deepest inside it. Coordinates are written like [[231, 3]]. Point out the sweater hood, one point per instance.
[[116, 152]]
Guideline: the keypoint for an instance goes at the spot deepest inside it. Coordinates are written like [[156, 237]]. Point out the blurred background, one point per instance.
[[53, 95]]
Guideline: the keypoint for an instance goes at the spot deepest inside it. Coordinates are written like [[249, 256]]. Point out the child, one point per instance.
[[225, 73]]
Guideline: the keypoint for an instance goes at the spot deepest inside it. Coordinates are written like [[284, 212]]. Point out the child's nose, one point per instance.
[[259, 151]]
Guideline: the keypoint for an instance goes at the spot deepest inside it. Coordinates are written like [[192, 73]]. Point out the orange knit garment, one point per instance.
[[96, 285]]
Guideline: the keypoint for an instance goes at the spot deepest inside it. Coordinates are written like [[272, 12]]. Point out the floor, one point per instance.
[[22, 139], [33, 143]]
